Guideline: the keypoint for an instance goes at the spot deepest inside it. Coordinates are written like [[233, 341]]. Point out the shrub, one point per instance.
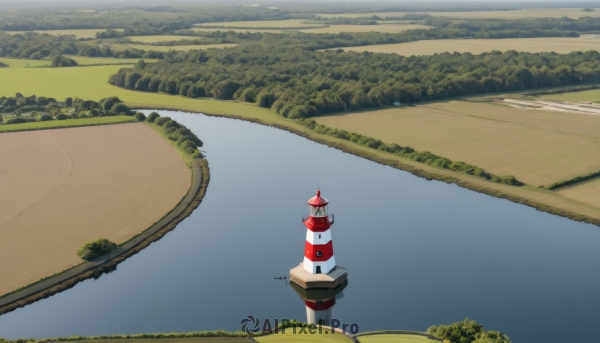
[[140, 116], [160, 121], [61, 61], [119, 108], [467, 331], [62, 116], [17, 120], [152, 117], [69, 102], [95, 249], [94, 112], [46, 117]]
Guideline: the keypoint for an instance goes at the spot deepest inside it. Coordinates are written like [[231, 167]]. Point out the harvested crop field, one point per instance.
[[61, 188], [537, 147], [517, 14], [162, 38], [79, 33], [303, 26], [586, 192], [478, 46], [120, 47]]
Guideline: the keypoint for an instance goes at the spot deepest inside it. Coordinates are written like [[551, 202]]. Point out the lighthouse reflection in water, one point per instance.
[[320, 303]]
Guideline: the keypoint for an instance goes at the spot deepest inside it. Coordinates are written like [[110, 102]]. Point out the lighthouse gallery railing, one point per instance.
[[330, 218]]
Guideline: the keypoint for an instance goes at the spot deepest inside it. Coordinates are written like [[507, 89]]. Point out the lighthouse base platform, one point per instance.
[[306, 280]]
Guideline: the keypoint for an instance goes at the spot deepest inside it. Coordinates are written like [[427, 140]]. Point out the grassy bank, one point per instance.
[[59, 124]]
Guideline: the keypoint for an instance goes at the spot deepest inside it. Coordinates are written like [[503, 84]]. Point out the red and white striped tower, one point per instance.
[[318, 269], [318, 250]]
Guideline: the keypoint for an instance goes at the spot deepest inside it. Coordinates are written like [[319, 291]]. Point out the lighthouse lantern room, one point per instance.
[[318, 270]]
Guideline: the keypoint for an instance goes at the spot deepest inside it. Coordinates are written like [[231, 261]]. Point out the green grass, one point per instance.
[[585, 96], [58, 124], [184, 155], [81, 60], [393, 338], [290, 337]]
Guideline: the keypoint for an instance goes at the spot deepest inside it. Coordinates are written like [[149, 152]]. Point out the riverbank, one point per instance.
[[539, 198], [86, 270]]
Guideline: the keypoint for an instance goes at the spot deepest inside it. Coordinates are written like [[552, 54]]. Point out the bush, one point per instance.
[[18, 120], [140, 116], [62, 116], [46, 117], [120, 108], [152, 117], [95, 249], [61, 61], [467, 331], [94, 112], [69, 102], [160, 121]]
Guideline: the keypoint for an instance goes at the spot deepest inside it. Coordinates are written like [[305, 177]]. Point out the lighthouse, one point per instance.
[[318, 268], [320, 303]]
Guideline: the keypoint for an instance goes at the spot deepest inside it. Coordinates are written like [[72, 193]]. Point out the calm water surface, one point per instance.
[[418, 252]]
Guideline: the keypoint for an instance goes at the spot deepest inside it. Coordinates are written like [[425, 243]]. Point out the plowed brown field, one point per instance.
[[61, 188]]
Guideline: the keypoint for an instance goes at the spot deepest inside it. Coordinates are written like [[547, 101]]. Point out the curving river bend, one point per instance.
[[418, 252]]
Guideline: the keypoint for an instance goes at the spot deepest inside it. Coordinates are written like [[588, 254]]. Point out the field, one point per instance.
[[263, 24], [303, 26], [83, 33], [394, 339], [54, 124], [120, 47], [477, 46], [537, 147], [290, 337], [527, 13], [585, 96], [156, 39], [81, 60], [61, 188], [586, 192]]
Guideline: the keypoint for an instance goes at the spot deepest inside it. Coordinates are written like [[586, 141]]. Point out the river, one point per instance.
[[418, 252]]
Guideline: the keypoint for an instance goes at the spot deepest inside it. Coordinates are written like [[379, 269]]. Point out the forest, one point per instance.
[[298, 83]]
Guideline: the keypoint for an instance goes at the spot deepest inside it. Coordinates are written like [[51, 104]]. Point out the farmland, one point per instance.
[[304, 26], [586, 192], [115, 181], [477, 46], [516, 14], [161, 38], [585, 96], [83, 33], [537, 147], [81, 60], [120, 47], [76, 81], [393, 338], [53, 124]]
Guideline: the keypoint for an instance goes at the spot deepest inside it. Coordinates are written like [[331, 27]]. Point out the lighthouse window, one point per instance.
[[319, 253], [318, 211]]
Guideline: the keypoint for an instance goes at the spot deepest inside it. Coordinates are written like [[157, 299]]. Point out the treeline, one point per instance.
[[467, 331], [135, 21], [37, 46], [297, 83], [491, 25], [178, 133], [574, 180], [419, 156], [25, 109]]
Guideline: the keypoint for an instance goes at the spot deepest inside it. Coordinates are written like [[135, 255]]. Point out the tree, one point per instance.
[[140, 116], [152, 117], [69, 102], [95, 249]]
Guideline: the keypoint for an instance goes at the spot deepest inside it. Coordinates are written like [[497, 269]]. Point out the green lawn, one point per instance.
[[290, 337], [585, 96], [57, 124], [391, 338], [81, 60]]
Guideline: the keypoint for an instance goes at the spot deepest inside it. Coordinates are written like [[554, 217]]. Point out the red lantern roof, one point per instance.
[[317, 201]]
